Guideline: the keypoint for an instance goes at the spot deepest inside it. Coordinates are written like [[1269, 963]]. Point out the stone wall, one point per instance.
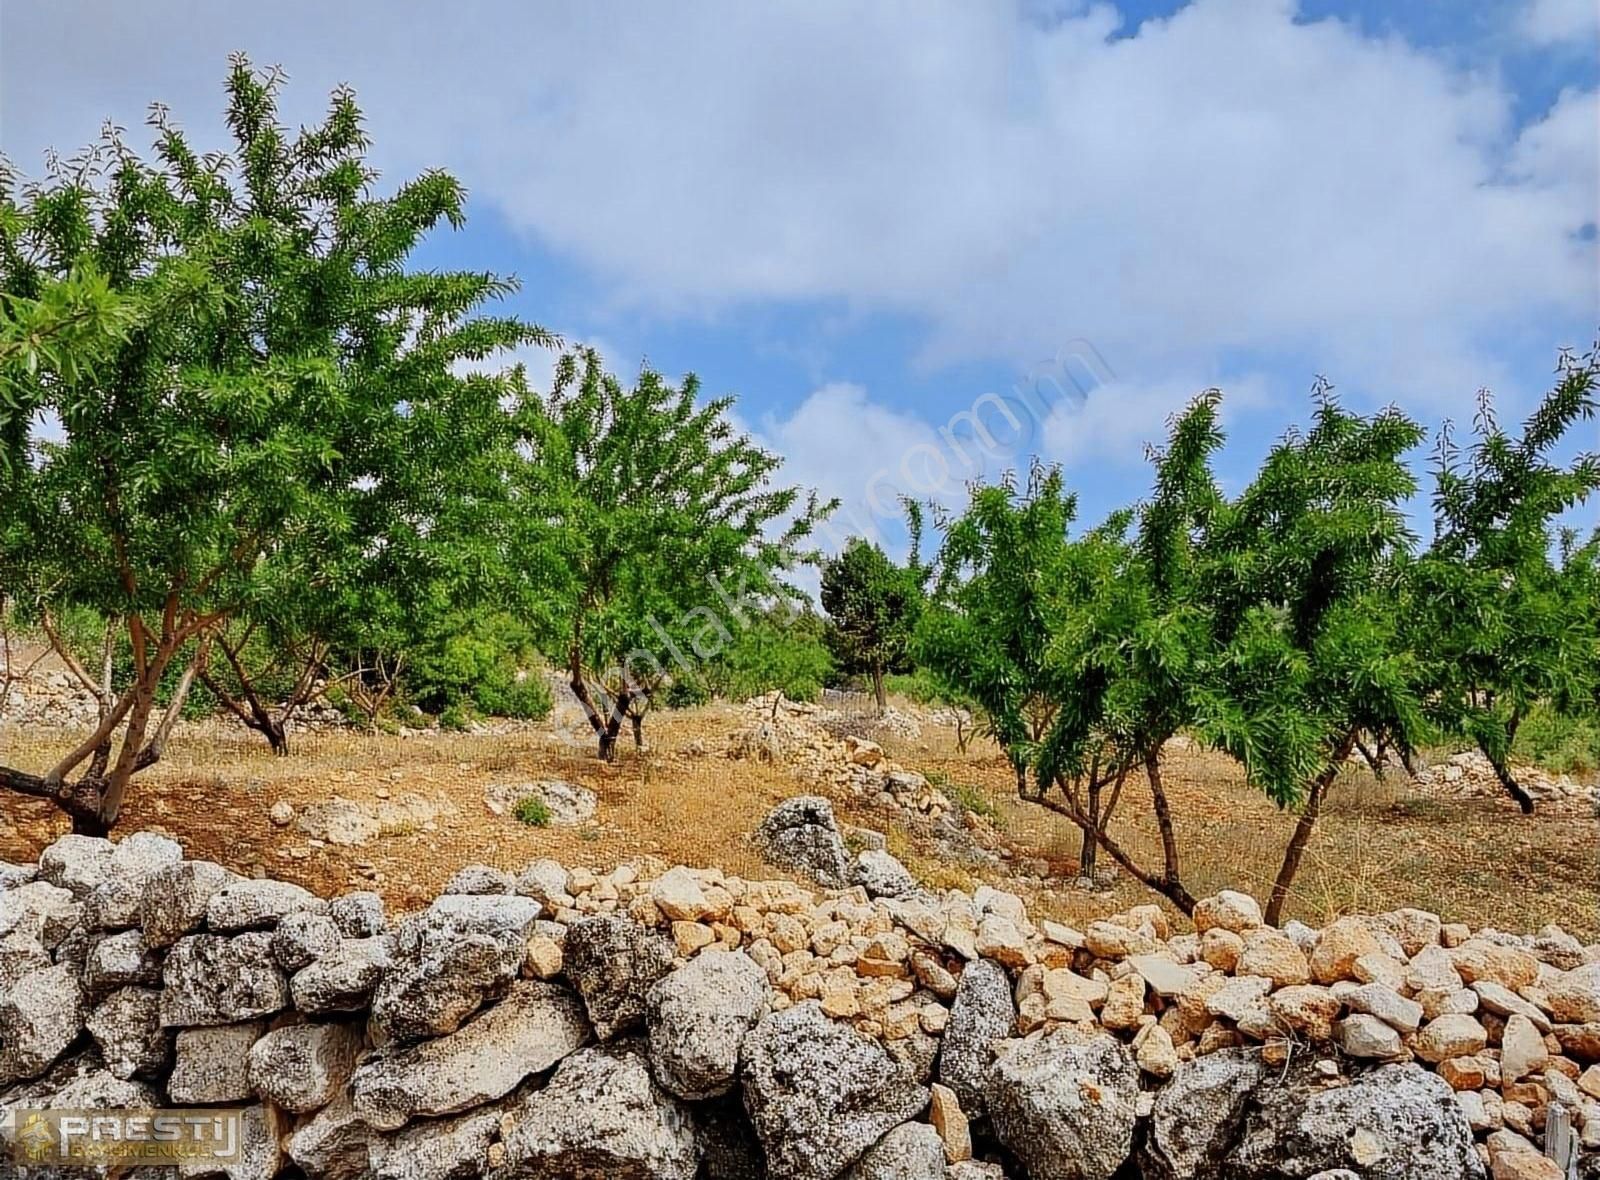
[[674, 1023]]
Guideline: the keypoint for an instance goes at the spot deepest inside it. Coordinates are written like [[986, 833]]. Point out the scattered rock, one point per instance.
[[802, 836]]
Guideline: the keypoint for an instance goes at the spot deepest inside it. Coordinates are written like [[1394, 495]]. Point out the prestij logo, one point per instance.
[[126, 1138], [34, 1141]]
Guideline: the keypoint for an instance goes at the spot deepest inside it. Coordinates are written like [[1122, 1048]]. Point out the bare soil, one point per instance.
[[1378, 845]]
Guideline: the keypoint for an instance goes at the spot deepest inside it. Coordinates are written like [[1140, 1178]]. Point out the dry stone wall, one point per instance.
[[659, 1022]]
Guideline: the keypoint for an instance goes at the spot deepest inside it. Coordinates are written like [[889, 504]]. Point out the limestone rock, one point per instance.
[[212, 979], [175, 899], [127, 1027], [1366, 1037], [211, 1064], [912, 1151], [301, 1067], [333, 1144], [534, 1026], [344, 979], [120, 960], [1197, 1115], [304, 937], [1449, 1036], [1237, 912], [1575, 997], [448, 961], [114, 903], [440, 1149], [1398, 1122], [801, 835], [614, 962], [1066, 1109], [602, 1115], [480, 880], [76, 863], [819, 1093], [984, 1012], [881, 874], [40, 1015], [258, 904], [698, 1017], [357, 915]]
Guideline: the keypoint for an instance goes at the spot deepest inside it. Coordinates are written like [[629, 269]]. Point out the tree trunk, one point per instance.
[[1302, 833], [1171, 876], [878, 690], [638, 732], [1509, 782], [1087, 854]]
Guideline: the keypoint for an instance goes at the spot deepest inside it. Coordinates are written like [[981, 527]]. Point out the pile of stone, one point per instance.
[[1469, 775], [802, 736], [49, 698], [661, 1022]]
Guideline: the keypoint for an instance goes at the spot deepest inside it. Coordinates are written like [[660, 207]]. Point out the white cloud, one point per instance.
[[1233, 180], [1552, 22]]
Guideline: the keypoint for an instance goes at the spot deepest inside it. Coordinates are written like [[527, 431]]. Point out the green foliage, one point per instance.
[[487, 659], [458, 718], [873, 606], [781, 650], [1509, 627], [1559, 742], [533, 811], [647, 532], [279, 431]]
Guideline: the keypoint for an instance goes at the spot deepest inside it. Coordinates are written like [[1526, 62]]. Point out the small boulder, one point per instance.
[[802, 836], [912, 1151], [1064, 1107], [344, 979], [479, 880], [820, 1093], [175, 899], [212, 979], [127, 1027], [1399, 1122], [614, 962], [258, 904], [698, 1017], [532, 1028], [881, 874], [212, 1064], [302, 1066], [984, 1012], [357, 915], [40, 1016], [601, 1114]]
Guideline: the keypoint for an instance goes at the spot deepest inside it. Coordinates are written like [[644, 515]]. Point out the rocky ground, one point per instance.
[[665, 1022]]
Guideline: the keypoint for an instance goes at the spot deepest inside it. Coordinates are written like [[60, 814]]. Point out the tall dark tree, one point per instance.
[[873, 606]]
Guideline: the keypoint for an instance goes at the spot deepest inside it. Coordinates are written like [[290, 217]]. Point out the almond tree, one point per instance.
[[287, 379], [1304, 578], [1498, 626], [645, 530]]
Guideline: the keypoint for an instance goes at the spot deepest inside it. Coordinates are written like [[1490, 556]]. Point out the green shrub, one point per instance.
[[533, 811], [527, 699], [1564, 745], [456, 718]]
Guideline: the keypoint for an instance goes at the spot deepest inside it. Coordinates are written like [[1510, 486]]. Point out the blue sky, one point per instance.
[[863, 219]]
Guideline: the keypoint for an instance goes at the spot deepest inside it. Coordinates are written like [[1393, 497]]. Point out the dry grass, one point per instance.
[[1379, 845]]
